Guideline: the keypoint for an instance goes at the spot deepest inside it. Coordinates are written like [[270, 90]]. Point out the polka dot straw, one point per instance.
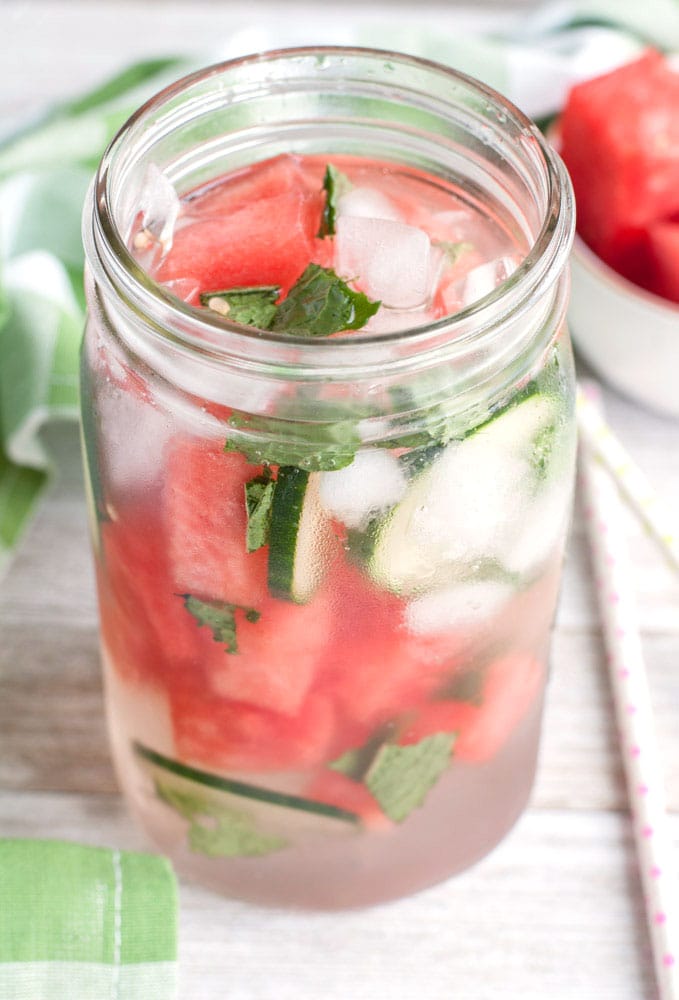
[[643, 770]]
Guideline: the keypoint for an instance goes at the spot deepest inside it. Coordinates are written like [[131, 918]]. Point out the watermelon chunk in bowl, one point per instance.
[[619, 138]]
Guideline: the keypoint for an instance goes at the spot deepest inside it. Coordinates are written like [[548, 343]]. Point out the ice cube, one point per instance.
[[134, 434], [159, 206], [371, 484], [389, 260], [460, 606], [389, 320], [368, 203], [451, 226], [486, 277], [544, 528]]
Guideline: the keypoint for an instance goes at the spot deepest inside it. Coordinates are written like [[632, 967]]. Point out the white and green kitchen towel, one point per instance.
[[46, 167], [86, 923]]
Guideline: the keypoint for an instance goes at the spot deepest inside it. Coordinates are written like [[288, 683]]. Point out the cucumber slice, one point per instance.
[[467, 504], [300, 536], [241, 789]]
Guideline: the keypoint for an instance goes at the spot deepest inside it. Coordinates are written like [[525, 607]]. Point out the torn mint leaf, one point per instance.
[[313, 447], [219, 617], [320, 304], [354, 763], [218, 830], [350, 763], [401, 776], [335, 184], [258, 498], [254, 306], [453, 251]]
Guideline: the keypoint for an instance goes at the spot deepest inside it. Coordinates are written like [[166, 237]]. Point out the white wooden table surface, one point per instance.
[[555, 911]]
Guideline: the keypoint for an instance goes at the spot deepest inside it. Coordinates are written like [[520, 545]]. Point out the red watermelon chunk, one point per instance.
[[375, 670], [510, 687], [268, 241], [620, 142], [440, 717], [663, 253], [205, 518], [336, 789], [143, 622], [281, 175], [277, 658], [233, 736]]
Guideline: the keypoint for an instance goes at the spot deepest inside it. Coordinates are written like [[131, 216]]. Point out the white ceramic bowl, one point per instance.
[[628, 336]]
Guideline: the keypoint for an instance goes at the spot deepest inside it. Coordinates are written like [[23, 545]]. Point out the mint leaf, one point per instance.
[[350, 763], [220, 618], [313, 447], [356, 762], [320, 303], [453, 251], [258, 497], [254, 306], [216, 829], [401, 776], [335, 184]]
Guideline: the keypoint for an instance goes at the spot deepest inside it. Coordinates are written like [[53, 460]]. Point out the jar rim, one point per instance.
[[201, 329]]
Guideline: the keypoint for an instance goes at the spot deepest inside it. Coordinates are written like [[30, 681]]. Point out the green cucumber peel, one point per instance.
[[335, 184], [240, 788], [220, 618], [300, 535], [286, 514]]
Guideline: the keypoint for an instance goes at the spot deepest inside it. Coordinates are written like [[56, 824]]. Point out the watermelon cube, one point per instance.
[[229, 735], [510, 687], [143, 621], [280, 175], [663, 254], [258, 231], [205, 521], [278, 656], [620, 142]]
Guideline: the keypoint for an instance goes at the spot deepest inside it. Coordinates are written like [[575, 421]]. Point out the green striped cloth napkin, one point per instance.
[[85, 923], [46, 167]]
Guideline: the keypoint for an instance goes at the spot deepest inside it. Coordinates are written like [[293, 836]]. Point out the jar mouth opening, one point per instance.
[[114, 264]]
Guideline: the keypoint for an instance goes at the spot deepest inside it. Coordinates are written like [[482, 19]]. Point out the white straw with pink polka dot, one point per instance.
[[643, 769], [632, 483]]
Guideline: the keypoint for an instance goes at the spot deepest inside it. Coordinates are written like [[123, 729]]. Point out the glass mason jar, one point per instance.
[[370, 725]]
